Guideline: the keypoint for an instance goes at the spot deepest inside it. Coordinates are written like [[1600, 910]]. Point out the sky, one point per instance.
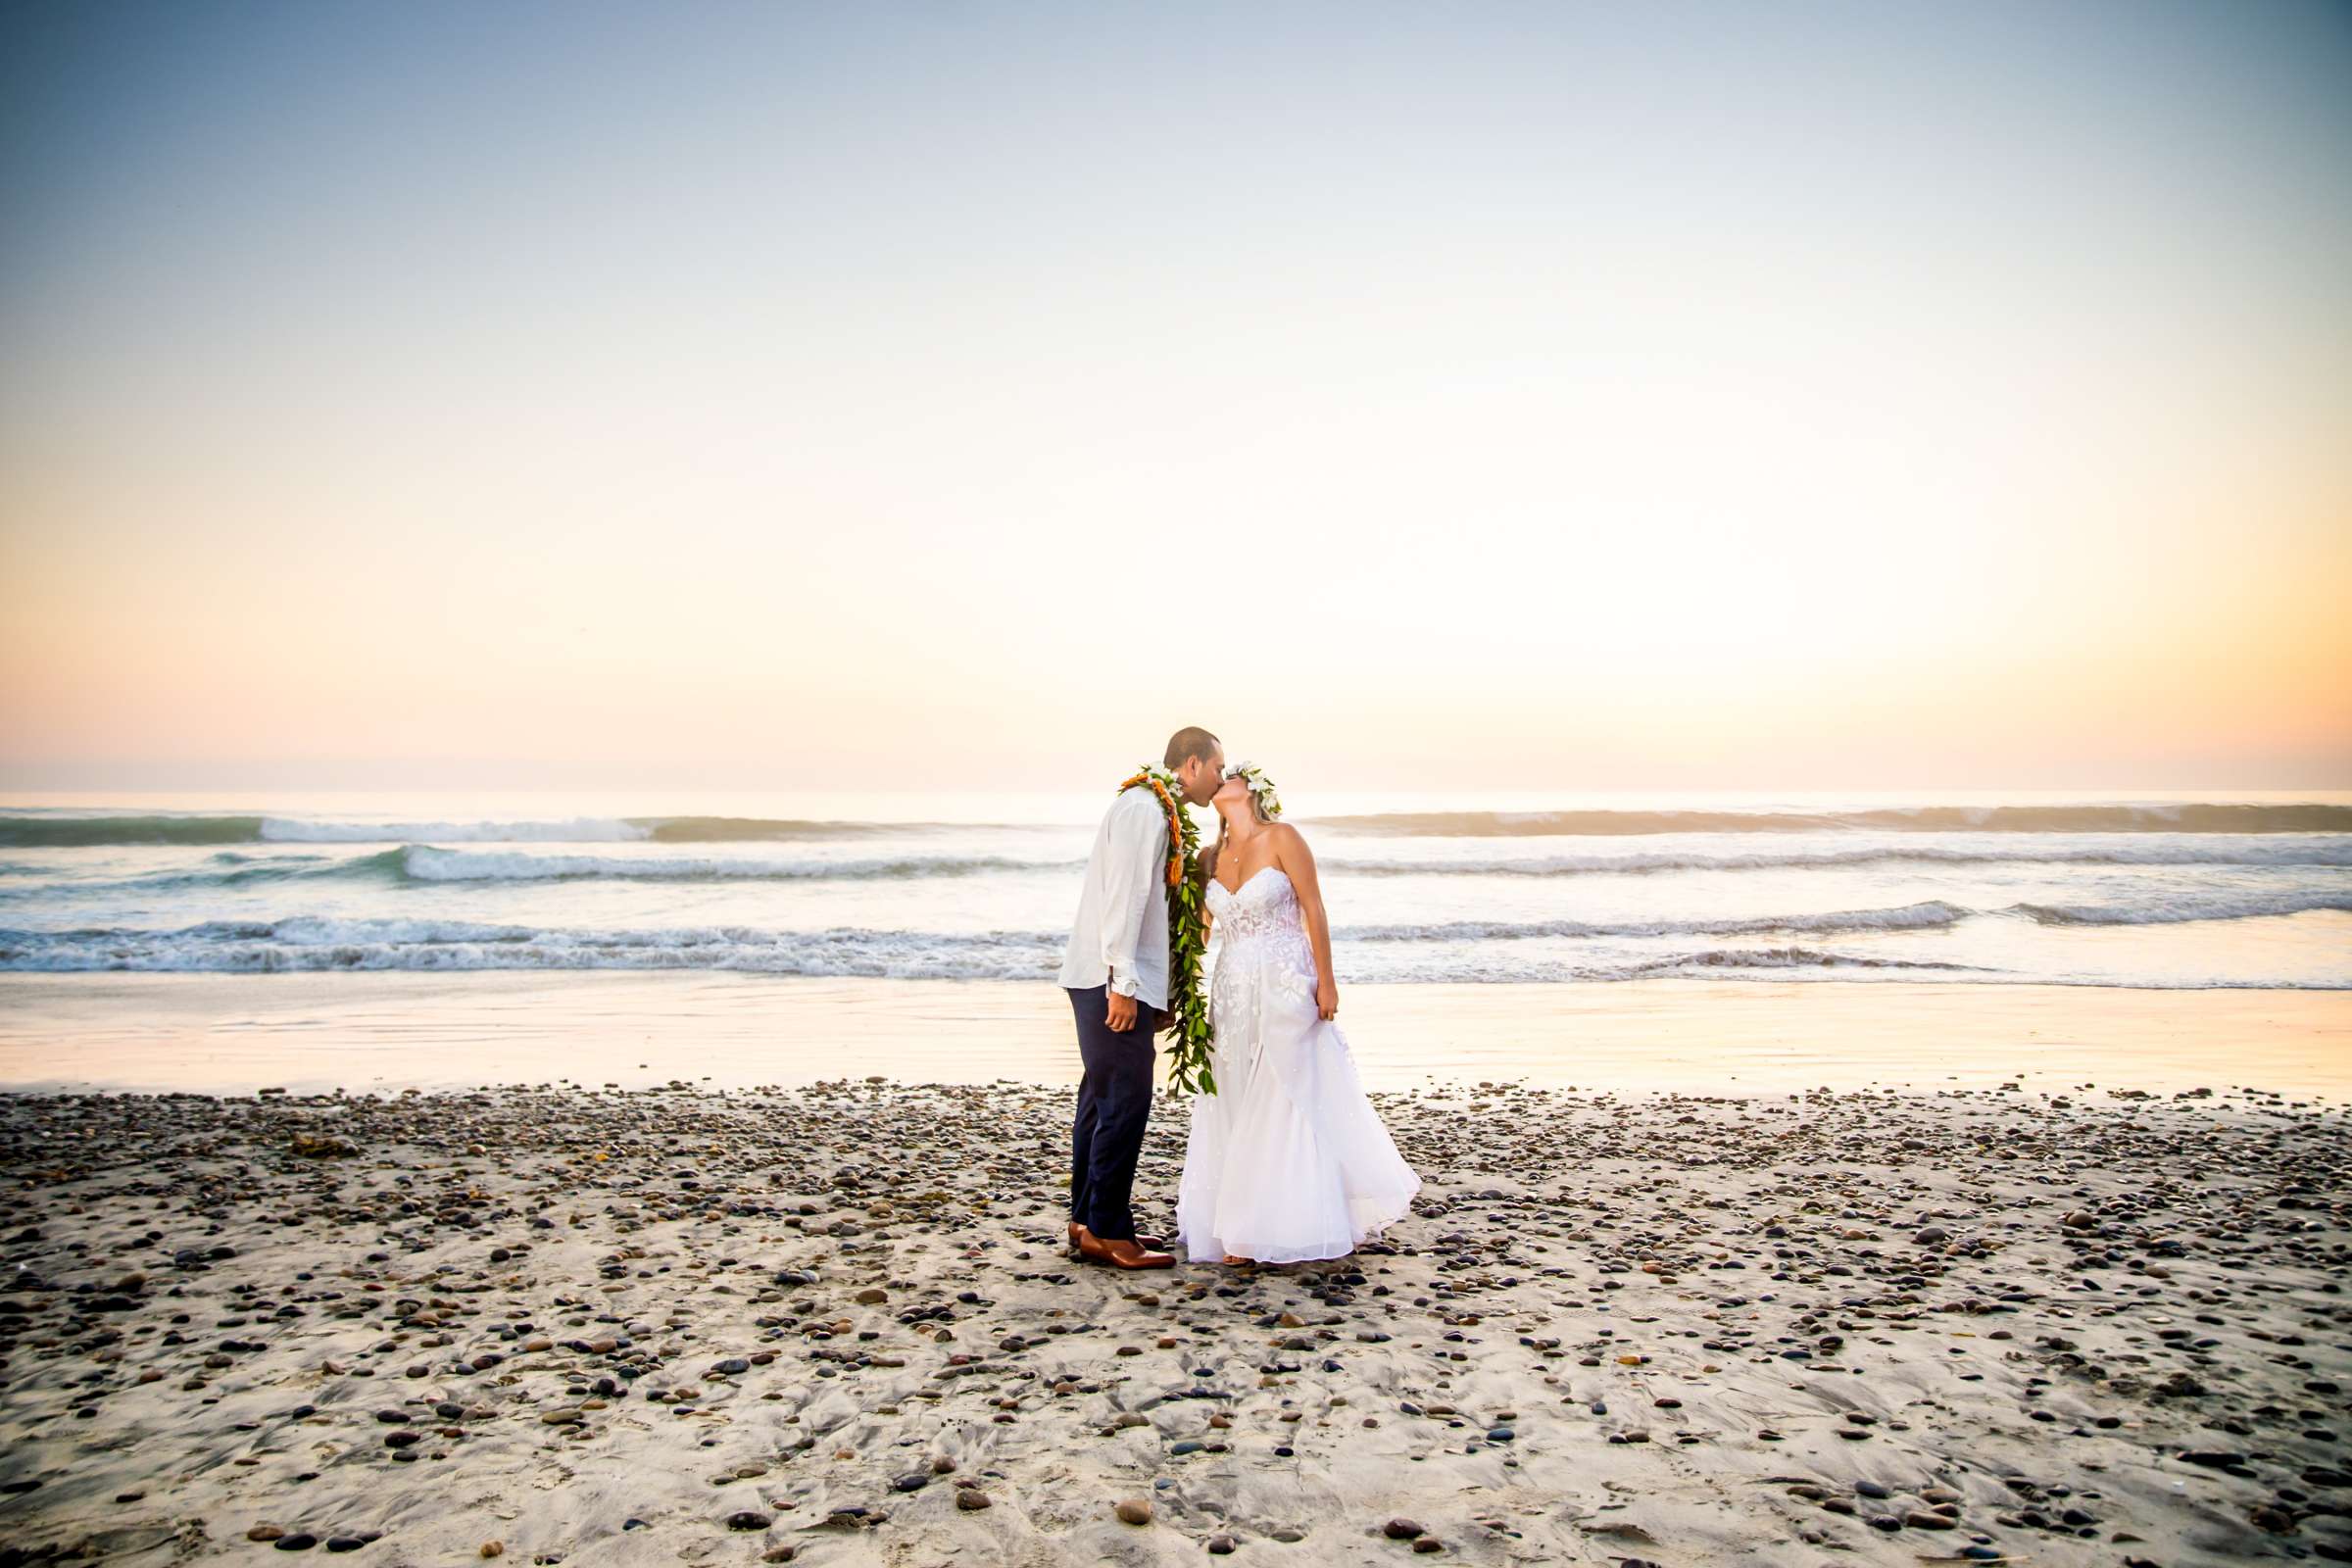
[[1702, 397]]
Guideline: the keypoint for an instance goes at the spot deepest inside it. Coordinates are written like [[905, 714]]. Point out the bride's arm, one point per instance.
[[1298, 863]]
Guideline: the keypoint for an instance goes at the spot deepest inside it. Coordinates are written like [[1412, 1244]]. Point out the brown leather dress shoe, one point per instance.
[[1120, 1254], [1127, 1254], [1079, 1234]]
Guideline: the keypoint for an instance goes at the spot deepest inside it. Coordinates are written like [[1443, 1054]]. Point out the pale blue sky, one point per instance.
[[1707, 395]]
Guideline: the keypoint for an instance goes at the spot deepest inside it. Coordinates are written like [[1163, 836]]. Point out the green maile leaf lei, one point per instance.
[[1188, 939]]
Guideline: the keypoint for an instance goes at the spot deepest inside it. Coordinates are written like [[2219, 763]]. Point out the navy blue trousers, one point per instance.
[[1114, 1102]]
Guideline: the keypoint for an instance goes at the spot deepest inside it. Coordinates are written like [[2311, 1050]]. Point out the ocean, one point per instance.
[[2205, 890]]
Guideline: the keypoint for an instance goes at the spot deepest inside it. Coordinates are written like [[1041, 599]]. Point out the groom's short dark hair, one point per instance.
[[1188, 743]]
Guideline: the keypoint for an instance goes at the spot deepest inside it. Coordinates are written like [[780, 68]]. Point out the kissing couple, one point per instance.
[[1286, 1160]]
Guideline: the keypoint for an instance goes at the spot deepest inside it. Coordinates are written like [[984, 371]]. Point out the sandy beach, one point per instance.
[[837, 1324]]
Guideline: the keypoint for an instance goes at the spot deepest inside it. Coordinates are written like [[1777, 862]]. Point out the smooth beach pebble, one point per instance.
[[971, 1499], [1400, 1530], [1135, 1511]]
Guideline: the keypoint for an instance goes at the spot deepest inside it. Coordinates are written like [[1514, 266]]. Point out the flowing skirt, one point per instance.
[[1288, 1161]]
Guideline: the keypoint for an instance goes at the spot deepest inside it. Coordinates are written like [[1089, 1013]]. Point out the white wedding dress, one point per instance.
[[1287, 1160]]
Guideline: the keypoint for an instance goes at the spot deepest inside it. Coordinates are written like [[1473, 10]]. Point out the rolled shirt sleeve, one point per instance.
[[1141, 846]]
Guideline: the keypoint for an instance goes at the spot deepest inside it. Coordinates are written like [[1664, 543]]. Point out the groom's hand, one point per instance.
[[1121, 1014]]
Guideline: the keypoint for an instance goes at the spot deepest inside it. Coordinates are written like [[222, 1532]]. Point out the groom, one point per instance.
[[1116, 972]]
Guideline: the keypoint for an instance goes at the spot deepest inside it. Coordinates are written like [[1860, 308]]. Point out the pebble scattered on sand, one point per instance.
[[842, 1322]]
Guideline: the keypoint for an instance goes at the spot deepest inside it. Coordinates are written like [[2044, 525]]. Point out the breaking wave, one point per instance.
[[307, 943], [426, 863], [2209, 817], [1908, 917], [761, 829], [2180, 907], [2246, 851]]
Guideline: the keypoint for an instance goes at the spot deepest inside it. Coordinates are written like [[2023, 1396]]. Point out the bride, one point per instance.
[[1288, 1161]]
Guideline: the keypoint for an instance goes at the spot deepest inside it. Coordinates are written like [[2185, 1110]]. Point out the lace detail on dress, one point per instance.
[[1244, 915], [1261, 941], [1287, 1160]]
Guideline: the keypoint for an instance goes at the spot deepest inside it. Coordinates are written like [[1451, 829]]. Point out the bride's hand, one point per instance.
[[1327, 998]]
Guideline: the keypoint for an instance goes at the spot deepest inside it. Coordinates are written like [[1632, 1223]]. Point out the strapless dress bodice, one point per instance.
[[1261, 908]]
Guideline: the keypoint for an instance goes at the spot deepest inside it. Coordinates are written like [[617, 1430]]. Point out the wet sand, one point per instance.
[[362, 1032], [837, 1325]]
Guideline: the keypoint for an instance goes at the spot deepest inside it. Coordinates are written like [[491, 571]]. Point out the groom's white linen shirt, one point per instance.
[[1121, 935]]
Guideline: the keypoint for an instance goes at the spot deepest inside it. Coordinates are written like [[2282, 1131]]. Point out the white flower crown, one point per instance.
[[1259, 784]]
